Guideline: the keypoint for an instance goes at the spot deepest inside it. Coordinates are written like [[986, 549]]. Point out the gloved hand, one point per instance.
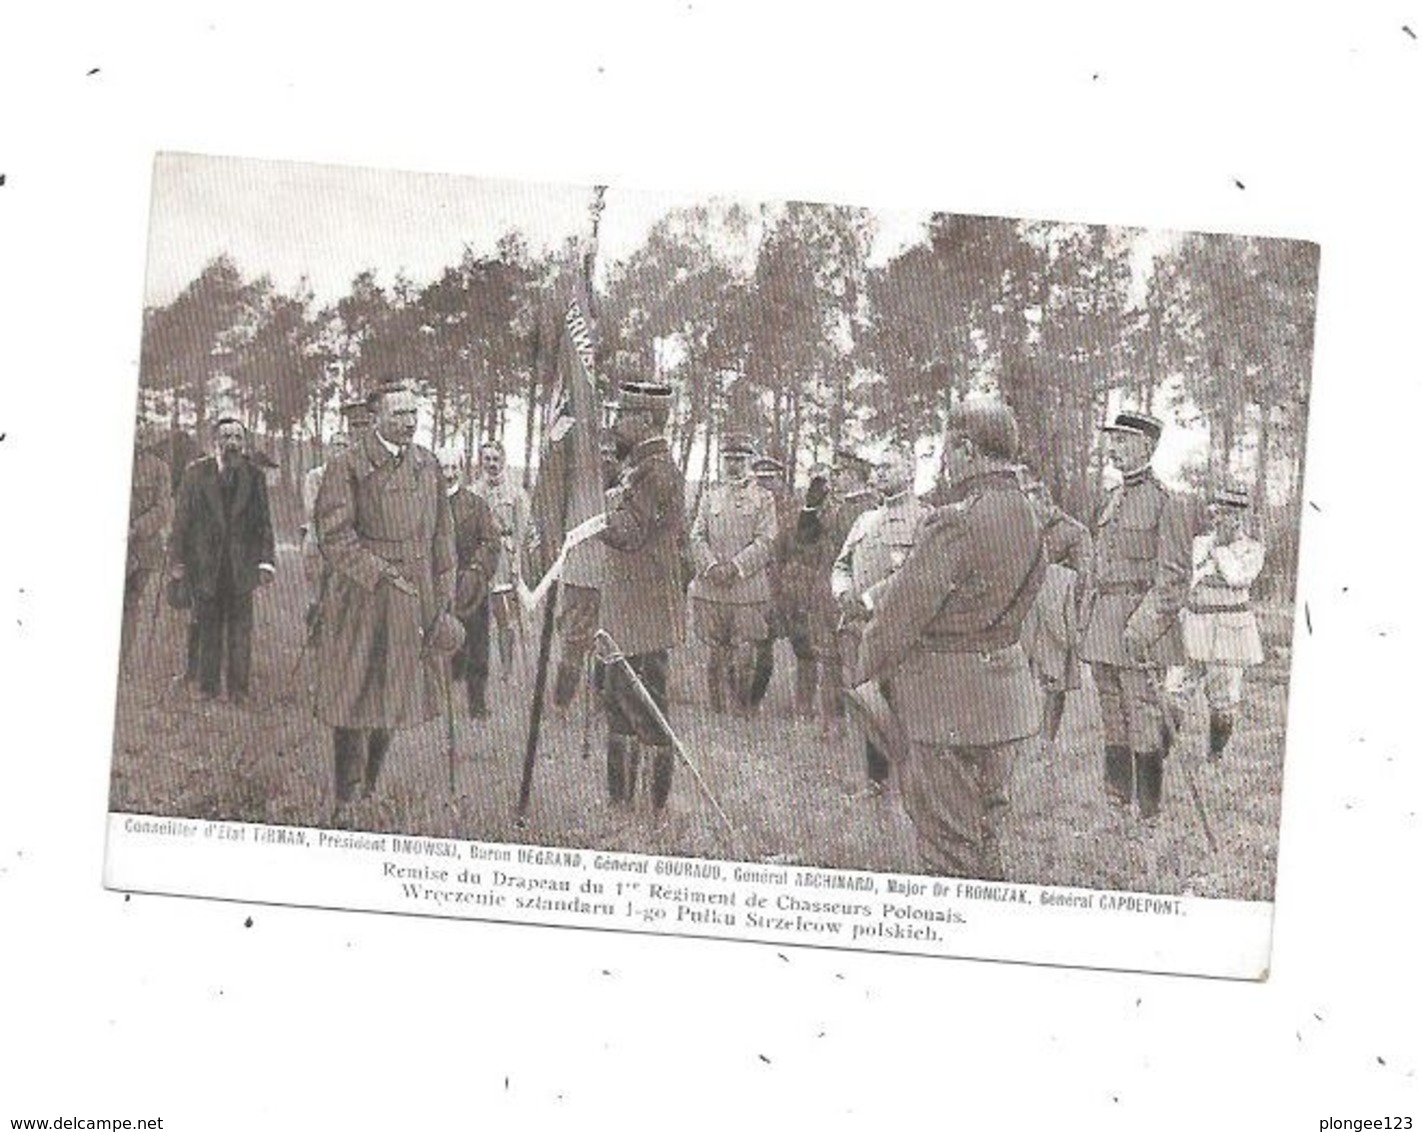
[[722, 574]]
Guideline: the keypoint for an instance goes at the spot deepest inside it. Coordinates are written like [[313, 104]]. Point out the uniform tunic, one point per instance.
[[944, 632], [378, 516], [735, 523], [1139, 579], [643, 604]]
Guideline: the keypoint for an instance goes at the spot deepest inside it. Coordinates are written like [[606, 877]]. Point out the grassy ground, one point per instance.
[[791, 798]]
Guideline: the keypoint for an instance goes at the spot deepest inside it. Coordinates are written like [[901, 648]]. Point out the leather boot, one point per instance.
[[716, 681], [1119, 785], [617, 769], [1150, 778], [1056, 707], [565, 684], [1221, 728], [348, 760], [376, 746], [806, 683], [762, 670], [662, 766], [634, 763]]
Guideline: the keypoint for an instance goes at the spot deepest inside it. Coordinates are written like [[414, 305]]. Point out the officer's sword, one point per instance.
[[611, 654]]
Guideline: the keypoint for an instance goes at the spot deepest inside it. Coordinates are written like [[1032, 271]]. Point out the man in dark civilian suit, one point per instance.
[[222, 544]]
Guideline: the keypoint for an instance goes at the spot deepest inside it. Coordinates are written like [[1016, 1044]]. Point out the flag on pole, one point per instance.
[[569, 488]]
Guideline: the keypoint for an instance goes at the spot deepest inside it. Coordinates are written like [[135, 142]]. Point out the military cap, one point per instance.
[[1230, 497], [228, 418], [989, 423], [767, 466], [847, 457], [737, 444], [637, 395], [1137, 424], [356, 406]]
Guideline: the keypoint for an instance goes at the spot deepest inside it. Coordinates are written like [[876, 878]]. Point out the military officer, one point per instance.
[[642, 603], [1131, 631], [510, 504], [943, 632], [770, 474], [732, 540], [808, 549], [1050, 634], [853, 494], [877, 545], [384, 528], [1221, 637]]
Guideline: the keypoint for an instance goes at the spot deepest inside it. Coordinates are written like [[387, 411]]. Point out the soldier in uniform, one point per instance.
[[147, 520], [732, 540], [477, 544], [770, 474], [577, 610], [383, 524], [1050, 633], [510, 505], [642, 605], [876, 547], [809, 546], [944, 633], [1131, 630], [1221, 637]]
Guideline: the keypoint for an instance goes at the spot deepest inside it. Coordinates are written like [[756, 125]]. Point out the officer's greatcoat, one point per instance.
[[376, 516]]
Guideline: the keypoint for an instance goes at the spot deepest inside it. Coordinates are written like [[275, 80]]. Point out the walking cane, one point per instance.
[[1163, 706], [611, 654]]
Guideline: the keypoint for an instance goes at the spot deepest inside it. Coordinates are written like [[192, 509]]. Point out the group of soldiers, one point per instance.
[[953, 623]]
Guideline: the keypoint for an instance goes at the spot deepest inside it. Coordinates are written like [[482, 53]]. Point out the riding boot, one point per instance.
[[806, 680], [1221, 728], [616, 768], [346, 744], [716, 680], [1056, 708], [763, 669], [663, 763], [376, 746], [1150, 779], [634, 762], [1119, 784], [478, 702], [565, 684]]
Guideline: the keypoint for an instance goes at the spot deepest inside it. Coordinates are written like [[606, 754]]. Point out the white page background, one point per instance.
[[173, 1008]]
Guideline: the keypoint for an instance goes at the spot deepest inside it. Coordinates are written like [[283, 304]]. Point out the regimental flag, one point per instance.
[[569, 486]]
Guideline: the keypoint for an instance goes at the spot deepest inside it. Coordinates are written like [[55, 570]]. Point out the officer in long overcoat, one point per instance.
[[944, 634], [642, 607], [1131, 618], [384, 528]]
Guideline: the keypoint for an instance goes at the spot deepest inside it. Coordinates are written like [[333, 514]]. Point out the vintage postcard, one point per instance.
[[809, 573]]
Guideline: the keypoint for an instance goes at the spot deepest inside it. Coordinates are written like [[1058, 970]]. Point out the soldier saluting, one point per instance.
[[944, 632], [642, 607], [1131, 630]]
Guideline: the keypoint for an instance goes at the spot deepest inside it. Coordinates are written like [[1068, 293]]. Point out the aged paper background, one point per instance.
[[1273, 121]]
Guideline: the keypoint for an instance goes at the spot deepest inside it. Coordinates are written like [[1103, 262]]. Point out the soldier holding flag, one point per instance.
[[642, 605]]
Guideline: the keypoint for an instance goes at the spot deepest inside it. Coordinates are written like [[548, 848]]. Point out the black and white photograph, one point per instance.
[[709, 564], [765, 534]]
